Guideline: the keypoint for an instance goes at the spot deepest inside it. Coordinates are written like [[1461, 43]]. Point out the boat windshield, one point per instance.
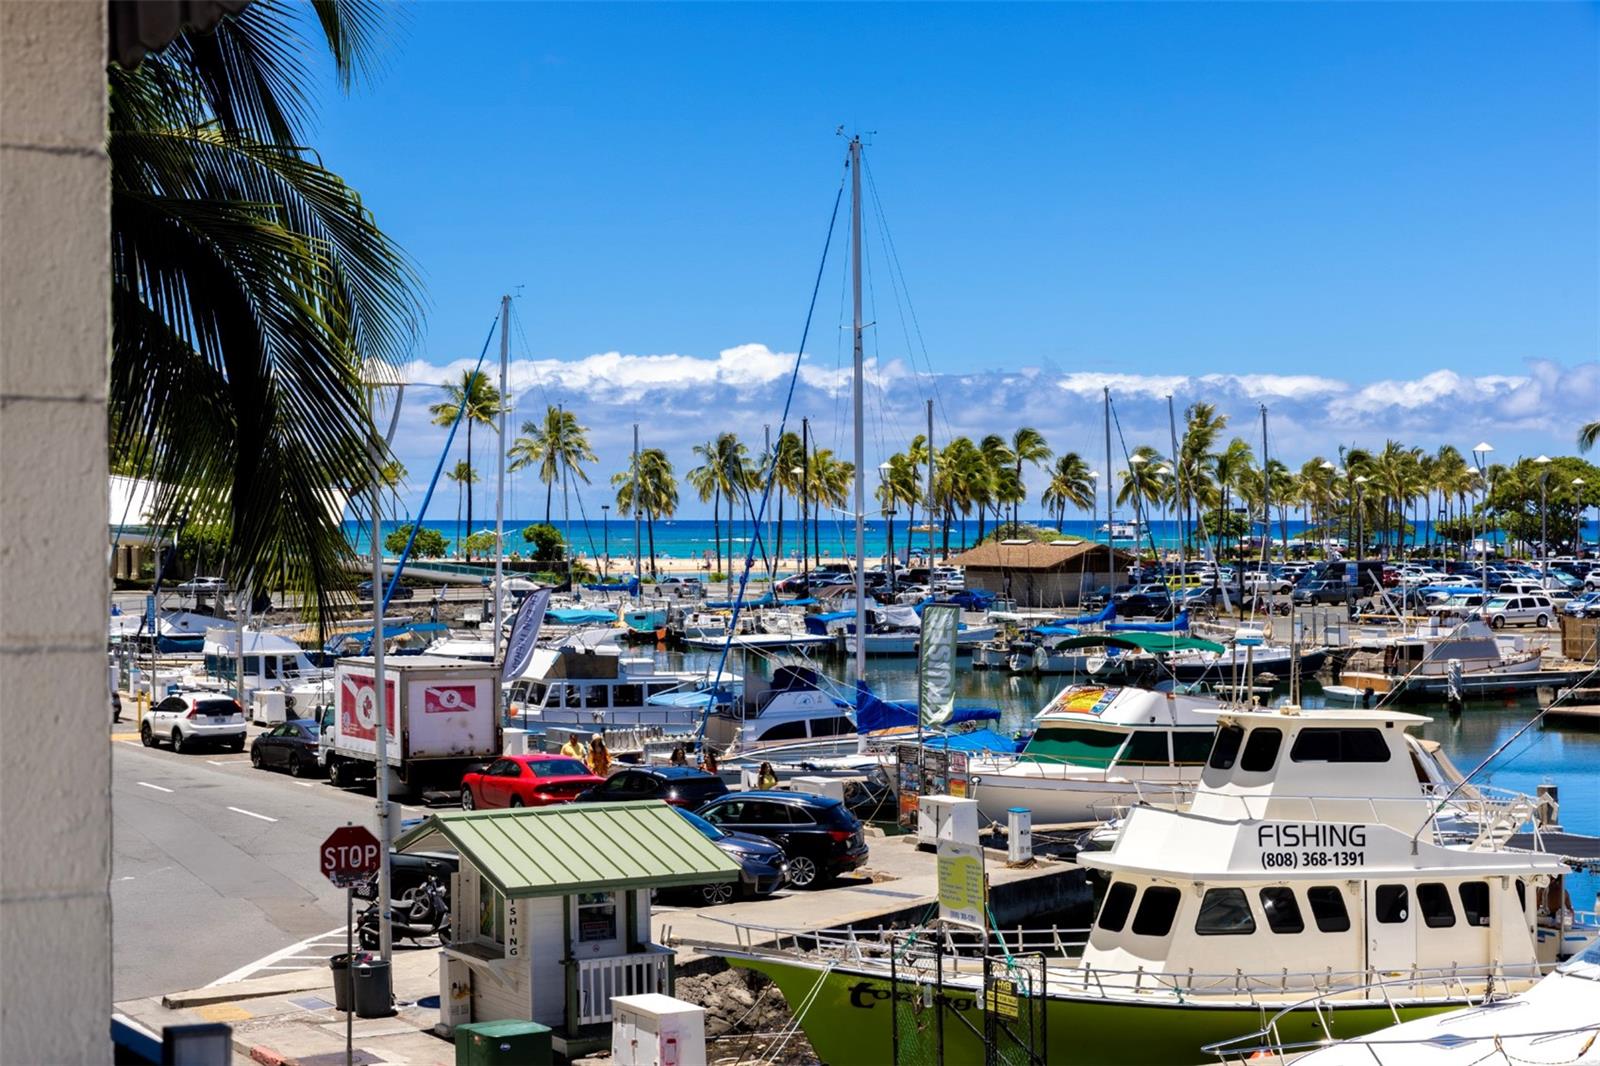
[[1585, 964], [1078, 745]]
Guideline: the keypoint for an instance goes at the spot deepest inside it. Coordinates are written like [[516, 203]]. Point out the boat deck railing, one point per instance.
[[959, 953]]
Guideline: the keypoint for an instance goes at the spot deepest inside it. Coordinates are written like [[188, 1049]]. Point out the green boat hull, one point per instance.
[[850, 1022]]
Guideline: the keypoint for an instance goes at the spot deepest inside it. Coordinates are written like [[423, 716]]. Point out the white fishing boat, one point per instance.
[[896, 630], [599, 689]]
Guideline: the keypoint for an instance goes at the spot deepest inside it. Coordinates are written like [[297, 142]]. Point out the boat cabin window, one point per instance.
[[1433, 900], [1522, 895], [1474, 901], [627, 696], [1084, 747], [1190, 747], [832, 727], [1114, 911], [1225, 912], [1327, 907], [784, 731], [1339, 745], [1261, 750], [1156, 910], [1391, 904], [1226, 749], [1282, 910], [1146, 747]]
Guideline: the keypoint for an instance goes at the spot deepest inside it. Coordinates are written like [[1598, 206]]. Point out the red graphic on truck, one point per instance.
[[358, 706], [449, 699]]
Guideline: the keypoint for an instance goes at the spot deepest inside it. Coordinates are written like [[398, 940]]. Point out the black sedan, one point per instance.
[[401, 592], [291, 746], [821, 837], [763, 867], [681, 786], [1145, 604]]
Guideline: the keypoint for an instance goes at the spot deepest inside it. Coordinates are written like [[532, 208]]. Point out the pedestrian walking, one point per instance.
[[574, 748], [766, 777], [708, 759], [679, 758], [599, 757]]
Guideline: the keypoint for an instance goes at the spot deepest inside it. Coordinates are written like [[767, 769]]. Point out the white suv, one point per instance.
[[188, 719], [1519, 609]]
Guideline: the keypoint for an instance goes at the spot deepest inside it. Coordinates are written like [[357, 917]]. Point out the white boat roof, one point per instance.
[[1322, 716], [224, 640], [1113, 705]]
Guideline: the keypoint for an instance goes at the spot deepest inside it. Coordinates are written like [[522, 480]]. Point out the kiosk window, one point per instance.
[[1156, 911]]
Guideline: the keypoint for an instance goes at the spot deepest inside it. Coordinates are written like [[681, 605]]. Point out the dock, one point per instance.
[[1470, 686], [1576, 716], [903, 893]]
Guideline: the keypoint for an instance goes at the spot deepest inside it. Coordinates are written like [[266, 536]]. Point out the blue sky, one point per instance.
[[1377, 219]]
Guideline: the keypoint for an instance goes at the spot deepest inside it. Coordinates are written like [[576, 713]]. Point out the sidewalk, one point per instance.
[[289, 1018]]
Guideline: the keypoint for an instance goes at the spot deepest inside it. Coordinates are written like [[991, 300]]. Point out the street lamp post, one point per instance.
[[1361, 516], [888, 513], [1543, 463], [799, 472], [1334, 470], [605, 527], [1480, 455], [1163, 472], [1577, 490]]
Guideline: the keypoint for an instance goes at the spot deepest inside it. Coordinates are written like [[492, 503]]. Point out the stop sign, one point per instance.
[[350, 856]]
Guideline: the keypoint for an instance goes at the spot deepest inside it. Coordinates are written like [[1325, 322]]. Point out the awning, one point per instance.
[[1151, 642], [576, 847]]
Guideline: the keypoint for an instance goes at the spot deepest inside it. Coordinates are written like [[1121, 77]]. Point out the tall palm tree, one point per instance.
[[252, 291], [1141, 485], [788, 472], [482, 403], [987, 488], [651, 486], [1588, 435], [1070, 485], [708, 489], [1233, 468], [833, 480], [1201, 427], [1027, 446], [560, 445], [464, 476]]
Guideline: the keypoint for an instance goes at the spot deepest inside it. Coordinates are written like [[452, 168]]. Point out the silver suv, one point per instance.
[[1520, 609], [189, 719]]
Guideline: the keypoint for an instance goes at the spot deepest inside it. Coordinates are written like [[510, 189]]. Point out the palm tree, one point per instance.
[[463, 475], [901, 484], [651, 484], [788, 473], [1234, 467], [708, 488], [481, 401], [392, 475], [988, 488], [832, 481], [1027, 446], [251, 293], [1141, 485], [1202, 426], [1588, 435], [559, 445], [1070, 485]]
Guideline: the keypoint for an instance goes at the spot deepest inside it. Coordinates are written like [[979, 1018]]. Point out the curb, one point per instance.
[[264, 1055]]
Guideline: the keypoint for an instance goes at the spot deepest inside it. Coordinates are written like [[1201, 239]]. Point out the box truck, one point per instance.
[[443, 718]]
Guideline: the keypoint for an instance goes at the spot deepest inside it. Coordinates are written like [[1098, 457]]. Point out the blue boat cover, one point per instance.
[[1176, 625], [1104, 614], [874, 713], [689, 699], [979, 740], [817, 624], [1054, 630], [630, 586], [577, 616]]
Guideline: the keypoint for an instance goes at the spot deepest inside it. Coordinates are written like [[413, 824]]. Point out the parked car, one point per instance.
[[1502, 610], [1586, 605], [1312, 592], [526, 781], [189, 719], [1204, 596], [763, 867], [401, 592], [821, 838], [1155, 603], [681, 786], [291, 746], [1261, 581], [204, 586]]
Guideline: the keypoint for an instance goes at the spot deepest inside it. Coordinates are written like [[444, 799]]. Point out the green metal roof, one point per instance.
[[577, 847]]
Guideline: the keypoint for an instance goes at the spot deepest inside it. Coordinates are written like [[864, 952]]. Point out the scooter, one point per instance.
[[422, 912]]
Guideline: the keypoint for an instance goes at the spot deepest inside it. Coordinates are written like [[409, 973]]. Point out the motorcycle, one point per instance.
[[422, 912]]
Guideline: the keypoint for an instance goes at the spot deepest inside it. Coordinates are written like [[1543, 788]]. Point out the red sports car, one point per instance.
[[526, 781]]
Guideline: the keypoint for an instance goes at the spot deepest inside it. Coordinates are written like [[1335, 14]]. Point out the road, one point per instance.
[[215, 864]]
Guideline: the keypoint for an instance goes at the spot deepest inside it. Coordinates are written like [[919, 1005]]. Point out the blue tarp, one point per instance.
[[874, 713], [767, 600], [1104, 614], [1177, 624], [979, 740], [630, 586], [817, 624], [1054, 631], [689, 699], [577, 616]]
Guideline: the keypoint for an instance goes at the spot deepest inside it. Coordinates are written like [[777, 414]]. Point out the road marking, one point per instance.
[[158, 788], [306, 784], [226, 762], [291, 951], [131, 743], [252, 814]]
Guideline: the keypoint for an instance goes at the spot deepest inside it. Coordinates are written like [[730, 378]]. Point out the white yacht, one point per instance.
[[897, 630], [598, 688]]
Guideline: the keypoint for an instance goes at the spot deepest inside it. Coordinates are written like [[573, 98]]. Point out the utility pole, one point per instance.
[[638, 543], [930, 491], [859, 382], [1177, 469], [380, 762], [500, 477], [805, 496], [1111, 535]]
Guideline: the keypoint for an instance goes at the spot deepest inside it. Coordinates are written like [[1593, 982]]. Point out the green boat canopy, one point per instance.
[[1151, 642], [576, 847]]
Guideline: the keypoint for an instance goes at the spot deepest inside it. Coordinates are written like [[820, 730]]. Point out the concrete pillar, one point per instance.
[[55, 755]]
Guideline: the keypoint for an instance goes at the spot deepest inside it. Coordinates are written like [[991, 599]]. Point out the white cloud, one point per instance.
[[681, 400]]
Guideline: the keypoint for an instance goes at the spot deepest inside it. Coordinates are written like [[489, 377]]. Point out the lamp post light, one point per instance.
[[799, 474], [1543, 462], [1577, 490], [1163, 472], [1361, 516], [1135, 461], [605, 532], [1323, 519], [888, 512], [1480, 455]]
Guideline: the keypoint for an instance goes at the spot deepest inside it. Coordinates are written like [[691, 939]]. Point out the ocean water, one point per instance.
[[689, 541]]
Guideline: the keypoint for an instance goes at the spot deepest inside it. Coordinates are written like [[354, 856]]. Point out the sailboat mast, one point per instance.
[[1111, 534], [1266, 497], [856, 403], [1177, 483], [500, 475], [930, 489], [638, 544]]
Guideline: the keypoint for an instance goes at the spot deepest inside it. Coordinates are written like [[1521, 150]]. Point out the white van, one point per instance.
[[1523, 609]]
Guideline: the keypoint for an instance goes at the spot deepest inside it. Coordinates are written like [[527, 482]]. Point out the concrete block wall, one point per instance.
[[55, 757]]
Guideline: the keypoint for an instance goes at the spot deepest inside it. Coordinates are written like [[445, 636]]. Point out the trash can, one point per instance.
[[504, 1043], [370, 992], [340, 965]]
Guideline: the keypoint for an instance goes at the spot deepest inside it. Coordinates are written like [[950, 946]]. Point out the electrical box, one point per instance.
[[657, 1030], [515, 742], [269, 707], [508, 1043], [946, 818], [827, 787]]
